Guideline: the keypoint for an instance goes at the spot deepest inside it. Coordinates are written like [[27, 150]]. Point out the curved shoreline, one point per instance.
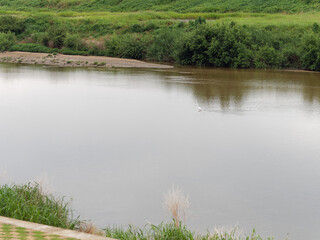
[[61, 60]]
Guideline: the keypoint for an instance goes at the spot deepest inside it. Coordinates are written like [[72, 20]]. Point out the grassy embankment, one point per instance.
[[29, 203], [257, 37], [270, 6]]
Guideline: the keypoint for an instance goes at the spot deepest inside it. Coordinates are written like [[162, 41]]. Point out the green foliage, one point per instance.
[[163, 45], [230, 47], [57, 35], [267, 57], [240, 46], [11, 24], [32, 47], [193, 46], [311, 51], [238, 40], [7, 40], [316, 28], [126, 46], [41, 38], [74, 42], [37, 23], [269, 6], [27, 202]]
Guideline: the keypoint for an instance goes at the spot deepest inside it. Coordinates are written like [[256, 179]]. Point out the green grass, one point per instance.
[[27, 202], [171, 232], [270, 6]]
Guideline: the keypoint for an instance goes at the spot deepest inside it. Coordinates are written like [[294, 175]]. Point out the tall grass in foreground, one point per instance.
[[177, 203], [28, 202], [171, 232]]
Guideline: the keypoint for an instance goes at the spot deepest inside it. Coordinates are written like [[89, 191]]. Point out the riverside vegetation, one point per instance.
[[202, 33], [28, 202]]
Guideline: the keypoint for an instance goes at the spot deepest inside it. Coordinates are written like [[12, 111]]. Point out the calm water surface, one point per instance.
[[115, 141]]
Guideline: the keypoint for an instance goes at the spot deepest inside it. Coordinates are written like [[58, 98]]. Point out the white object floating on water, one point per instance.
[[199, 109]]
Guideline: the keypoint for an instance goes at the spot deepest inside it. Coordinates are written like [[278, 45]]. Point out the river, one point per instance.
[[116, 140]]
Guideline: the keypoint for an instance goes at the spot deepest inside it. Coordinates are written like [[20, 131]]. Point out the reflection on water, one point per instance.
[[228, 89], [116, 140]]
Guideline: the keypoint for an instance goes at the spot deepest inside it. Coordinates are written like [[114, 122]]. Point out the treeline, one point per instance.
[[194, 43]]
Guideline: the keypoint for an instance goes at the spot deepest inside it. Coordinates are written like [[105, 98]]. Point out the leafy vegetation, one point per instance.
[[27, 202], [210, 35], [270, 6], [7, 40], [198, 42]]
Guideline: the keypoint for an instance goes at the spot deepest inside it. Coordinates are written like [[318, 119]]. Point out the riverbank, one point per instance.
[[61, 60], [262, 41]]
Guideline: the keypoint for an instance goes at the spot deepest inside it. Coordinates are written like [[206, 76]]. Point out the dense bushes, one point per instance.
[[163, 45], [126, 46], [248, 47], [11, 24], [311, 51], [7, 40]]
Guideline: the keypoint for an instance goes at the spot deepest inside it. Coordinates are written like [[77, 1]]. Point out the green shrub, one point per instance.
[[136, 28], [27, 202], [41, 38], [57, 35], [230, 47], [163, 45], [126, 46], [7, 40], [267, 57], [193, 46], [11, 24], [74, 42], [37, 23], [311, 51]]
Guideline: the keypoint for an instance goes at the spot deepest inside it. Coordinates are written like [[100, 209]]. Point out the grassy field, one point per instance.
[[270, 6], [129, 18]]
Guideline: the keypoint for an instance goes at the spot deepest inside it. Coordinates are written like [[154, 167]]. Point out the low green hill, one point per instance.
[[270, 6]]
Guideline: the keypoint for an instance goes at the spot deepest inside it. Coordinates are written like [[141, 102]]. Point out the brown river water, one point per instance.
[[116, 140]]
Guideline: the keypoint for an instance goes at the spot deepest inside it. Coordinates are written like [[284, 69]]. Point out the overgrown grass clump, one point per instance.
[[27, 202]]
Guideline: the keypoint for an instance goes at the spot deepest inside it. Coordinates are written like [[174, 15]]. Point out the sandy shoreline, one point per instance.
[[61, 60]]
